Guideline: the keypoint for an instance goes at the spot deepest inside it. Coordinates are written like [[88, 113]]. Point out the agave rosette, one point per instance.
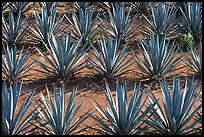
[[84, 25], [13, 122], [64, 57], [178, 110], [120, 25], [111, 63], [55, 118], [162, 22], [122, 117], [158, 57], [46, 25], [15, 66], [15, 29]]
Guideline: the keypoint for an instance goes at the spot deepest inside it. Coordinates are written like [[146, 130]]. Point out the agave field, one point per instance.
[[102, 68]]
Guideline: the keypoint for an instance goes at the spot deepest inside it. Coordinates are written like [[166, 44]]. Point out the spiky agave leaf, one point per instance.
[[55, 118], [175, 118], [179, 5], [122, 117], [111, 63], [64, 57], [162, 21], [84, 25], [191, 20], [158, 57], [83, 5], [21, 6], [14, 122], [197, 128], [15, 66], [14, 30], [5, 5], [194, 62], [142, 7], [108, 5], [49, 5], [120, 25], [48, 24]]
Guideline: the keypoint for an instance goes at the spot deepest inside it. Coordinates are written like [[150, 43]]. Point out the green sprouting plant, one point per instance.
[[15, 122], [110, 64], [15, 66], [174, 118], [184, 41], [64, 58], [191, 20], [57, 119], [90, 42], [120, 117]]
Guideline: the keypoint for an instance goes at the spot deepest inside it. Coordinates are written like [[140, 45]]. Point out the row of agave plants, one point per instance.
[[158, 57], [115, 21], [66, 54], [179, 114], [121, 117]]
